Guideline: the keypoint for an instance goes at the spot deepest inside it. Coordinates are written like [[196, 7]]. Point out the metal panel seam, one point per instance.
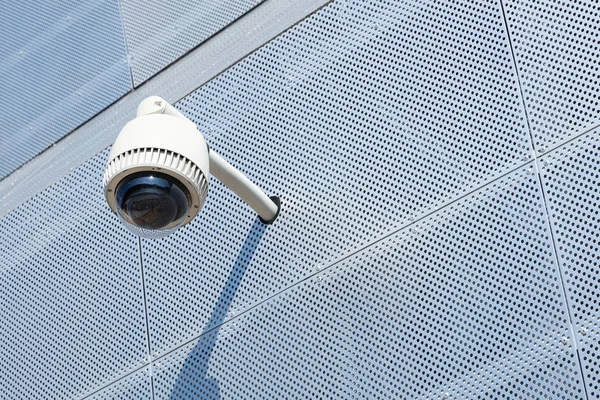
[[126, 44], [329, 266], [146, 313], [321, 271], [100, 389], [336, 261], [567, 303]]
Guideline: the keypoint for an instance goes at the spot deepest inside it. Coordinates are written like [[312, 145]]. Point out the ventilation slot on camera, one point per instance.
[[160, 159]]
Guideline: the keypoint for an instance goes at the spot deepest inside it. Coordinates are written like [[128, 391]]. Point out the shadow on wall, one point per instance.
[[193, 381]]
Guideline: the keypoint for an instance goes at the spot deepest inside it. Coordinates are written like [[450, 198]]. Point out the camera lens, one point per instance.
[[152, 201]]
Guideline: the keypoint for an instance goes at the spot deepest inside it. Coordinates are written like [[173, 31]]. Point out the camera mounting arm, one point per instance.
[[266, 207]]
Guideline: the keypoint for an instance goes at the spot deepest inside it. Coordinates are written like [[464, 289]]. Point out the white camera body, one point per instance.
[[162, 143], [162, 147]]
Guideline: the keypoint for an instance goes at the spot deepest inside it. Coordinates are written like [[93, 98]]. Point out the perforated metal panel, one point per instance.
[[159, 32], [361, 118], [571, 179], [71, 301], [556, 47], [133, 387], [413, 257], [466, 303], [61, 62]]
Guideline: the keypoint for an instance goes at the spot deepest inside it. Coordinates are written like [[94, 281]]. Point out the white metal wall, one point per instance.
[[437, 164]]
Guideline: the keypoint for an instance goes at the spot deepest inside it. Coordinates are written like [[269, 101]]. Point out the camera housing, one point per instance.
[[156, 178], [152, 150]]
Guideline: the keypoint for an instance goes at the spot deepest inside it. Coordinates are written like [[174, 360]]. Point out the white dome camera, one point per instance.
[[156, 178]]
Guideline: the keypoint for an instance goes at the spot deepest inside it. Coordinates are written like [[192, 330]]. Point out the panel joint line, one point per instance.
[[146, 315], [544, 200]]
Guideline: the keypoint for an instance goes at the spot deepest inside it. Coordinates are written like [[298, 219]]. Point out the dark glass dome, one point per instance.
[[152, 202]]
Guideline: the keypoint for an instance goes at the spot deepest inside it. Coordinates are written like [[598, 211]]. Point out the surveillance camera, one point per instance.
[[156, 178]]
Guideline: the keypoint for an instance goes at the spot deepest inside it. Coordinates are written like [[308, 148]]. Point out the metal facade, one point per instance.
[[158, 32], [349, 164], [132, 387], [182, 77], [71, 293], [61, 63], [465, 303], [437, 163], [556, 47], [571, 180]]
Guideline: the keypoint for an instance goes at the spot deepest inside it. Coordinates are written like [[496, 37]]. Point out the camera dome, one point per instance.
[[157, 173], [152, 204]]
